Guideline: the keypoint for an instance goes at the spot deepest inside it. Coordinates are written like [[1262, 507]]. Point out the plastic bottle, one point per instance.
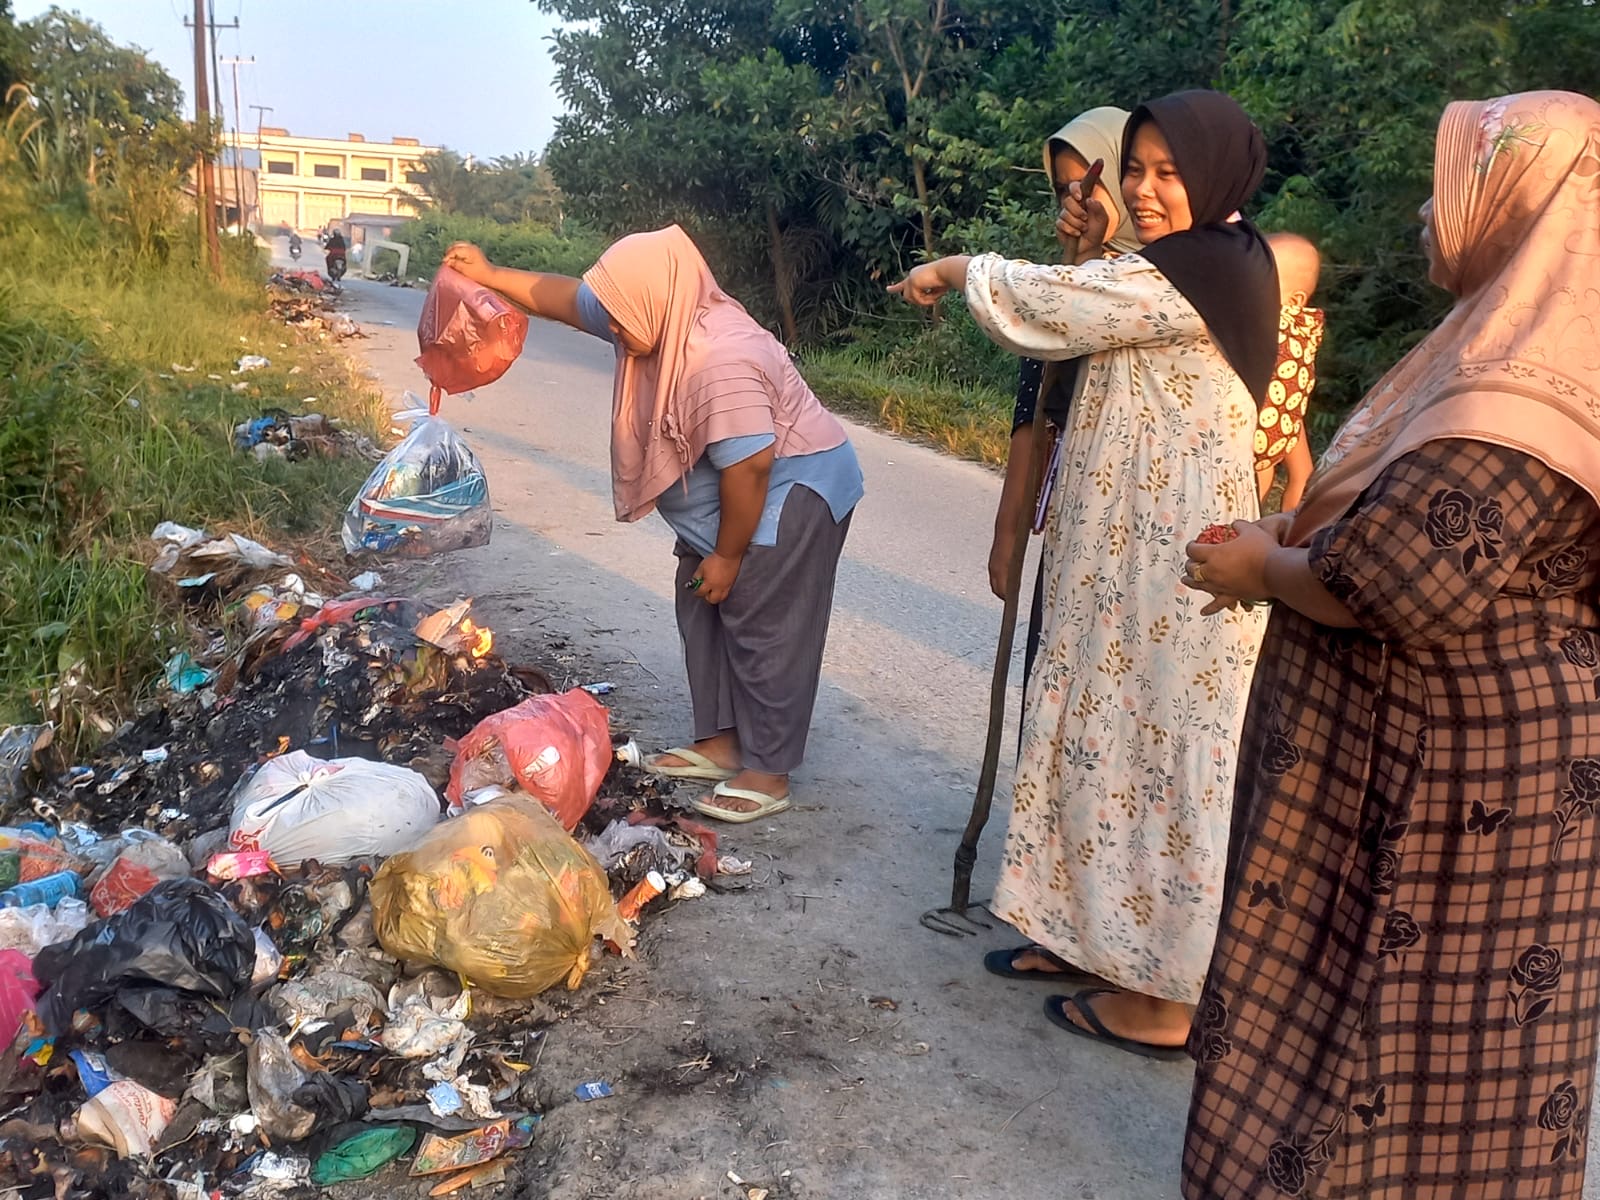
[[49, 891]]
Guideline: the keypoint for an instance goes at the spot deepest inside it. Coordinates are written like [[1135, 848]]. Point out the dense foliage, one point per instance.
[[116, 402], [818, 147]]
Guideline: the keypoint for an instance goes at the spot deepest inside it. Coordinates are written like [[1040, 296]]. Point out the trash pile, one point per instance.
[[277, 433], [304, 301], [284, 929]]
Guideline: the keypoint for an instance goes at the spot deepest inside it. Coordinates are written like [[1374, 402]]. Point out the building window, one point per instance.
[[374, 174], [279, 166], [420, 178], [325, 171]]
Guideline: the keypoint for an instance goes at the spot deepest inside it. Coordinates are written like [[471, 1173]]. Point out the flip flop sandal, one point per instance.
[[768, 805], [1004, 964], [699, 766], [1055, 1008]]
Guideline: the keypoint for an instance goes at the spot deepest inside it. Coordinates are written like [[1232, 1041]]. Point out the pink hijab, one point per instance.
[[714, 373], [1517, 361]]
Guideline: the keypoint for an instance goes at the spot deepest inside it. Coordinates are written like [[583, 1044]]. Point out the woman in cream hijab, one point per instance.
[[1402, 1002], [1068, 154]]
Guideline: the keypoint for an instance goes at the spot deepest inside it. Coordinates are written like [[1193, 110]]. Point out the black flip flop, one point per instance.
[[1055, 1009], [1003, 964]]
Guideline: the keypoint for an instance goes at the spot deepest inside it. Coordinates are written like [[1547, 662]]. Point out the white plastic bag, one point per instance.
[[428, 495], [298, 807], [32, 928]]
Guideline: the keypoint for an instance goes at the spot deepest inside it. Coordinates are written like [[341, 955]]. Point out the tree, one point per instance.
[[815, 147], [13, 49], [98, 95]]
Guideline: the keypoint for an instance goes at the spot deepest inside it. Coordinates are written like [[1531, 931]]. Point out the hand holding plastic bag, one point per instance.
[[501, 895], [468, 335], [427, 496]]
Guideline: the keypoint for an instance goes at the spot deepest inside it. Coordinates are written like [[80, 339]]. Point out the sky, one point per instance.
[[474, 75]]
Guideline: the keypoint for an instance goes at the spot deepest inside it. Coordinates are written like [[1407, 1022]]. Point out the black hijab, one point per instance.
[[1224, 268]]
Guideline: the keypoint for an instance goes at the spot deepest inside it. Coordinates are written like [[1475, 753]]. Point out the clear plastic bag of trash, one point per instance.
[[290, 1101], [333, 810], [468, 335], [556, 748], [428, 495], [18, 746], [36, 926], [501, 895]]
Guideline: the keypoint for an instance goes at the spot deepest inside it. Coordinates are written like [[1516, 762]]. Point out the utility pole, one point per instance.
[[238, 134], [204, 184]]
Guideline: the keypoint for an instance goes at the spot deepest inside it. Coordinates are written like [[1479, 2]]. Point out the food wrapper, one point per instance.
[[501, 895]]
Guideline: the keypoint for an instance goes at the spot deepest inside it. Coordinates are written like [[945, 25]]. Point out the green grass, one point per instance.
[[970, 420], [101, 439]]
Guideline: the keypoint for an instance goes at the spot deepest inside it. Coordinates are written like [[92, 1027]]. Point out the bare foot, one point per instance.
[[1037, 960], [776, 786], [722, 750], [1137, 1018]]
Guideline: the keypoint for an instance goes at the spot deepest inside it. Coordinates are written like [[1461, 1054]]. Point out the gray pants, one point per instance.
[[754, 660]]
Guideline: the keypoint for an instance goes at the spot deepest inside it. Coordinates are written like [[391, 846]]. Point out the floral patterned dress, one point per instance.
[[1404, 995], [1116, 844]]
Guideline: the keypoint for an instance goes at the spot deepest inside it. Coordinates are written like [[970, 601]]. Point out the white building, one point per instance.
[[306, 183]]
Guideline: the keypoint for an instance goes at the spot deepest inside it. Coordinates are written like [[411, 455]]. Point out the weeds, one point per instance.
[[102, 437], [967, 420]]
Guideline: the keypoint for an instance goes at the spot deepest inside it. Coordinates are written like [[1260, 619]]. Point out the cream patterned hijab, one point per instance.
[[1098, 134]]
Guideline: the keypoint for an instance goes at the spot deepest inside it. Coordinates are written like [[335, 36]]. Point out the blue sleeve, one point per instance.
[[729, 451], [593, 315]]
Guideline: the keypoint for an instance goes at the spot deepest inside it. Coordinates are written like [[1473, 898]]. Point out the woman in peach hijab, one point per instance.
[[1403, 998], [712, 427]]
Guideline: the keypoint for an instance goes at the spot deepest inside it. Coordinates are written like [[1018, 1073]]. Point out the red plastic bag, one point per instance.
[[468, 335], [556, 748], [18, 988]]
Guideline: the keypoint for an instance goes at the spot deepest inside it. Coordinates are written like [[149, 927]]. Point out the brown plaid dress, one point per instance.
[[1402, 1002]]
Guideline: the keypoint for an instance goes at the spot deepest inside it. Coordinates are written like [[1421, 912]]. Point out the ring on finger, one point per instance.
[[1198, 574]]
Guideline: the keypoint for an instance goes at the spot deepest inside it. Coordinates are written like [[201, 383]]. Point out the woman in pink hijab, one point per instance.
[[1404, 994], [713, 428]]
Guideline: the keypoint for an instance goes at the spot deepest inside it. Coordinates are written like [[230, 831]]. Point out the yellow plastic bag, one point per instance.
[[501, 895]]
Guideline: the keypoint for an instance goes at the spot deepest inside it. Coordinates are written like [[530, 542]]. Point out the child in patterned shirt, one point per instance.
[[1280, 431]]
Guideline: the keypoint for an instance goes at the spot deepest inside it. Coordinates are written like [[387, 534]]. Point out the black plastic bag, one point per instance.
[[181, 934]]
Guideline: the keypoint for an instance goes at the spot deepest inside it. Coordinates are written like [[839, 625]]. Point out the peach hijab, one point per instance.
[[1517, 361], [669, 405]]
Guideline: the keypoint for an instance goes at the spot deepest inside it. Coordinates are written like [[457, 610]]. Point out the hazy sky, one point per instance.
[[474, 75]]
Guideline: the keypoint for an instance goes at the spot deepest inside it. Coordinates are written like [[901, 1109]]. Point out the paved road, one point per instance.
[[886, 787], [964, 1090]]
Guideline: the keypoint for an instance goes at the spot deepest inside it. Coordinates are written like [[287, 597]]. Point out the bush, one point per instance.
[[524, 245], [101, 439], [972, 421]]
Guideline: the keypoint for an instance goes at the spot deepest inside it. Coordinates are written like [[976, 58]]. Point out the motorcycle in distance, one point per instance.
[[335, 257], [294, 246]]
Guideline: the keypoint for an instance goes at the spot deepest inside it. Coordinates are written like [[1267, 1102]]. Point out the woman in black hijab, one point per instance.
[[1115, 849]]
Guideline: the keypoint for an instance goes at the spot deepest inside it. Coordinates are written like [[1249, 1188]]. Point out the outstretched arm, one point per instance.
[[554, 297]]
